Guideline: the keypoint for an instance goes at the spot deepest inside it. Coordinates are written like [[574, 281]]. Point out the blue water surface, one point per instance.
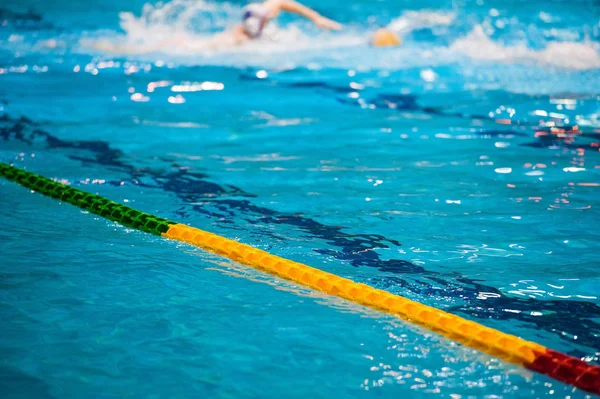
[[460, 170]]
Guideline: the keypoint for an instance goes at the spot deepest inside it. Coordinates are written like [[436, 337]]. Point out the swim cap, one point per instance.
[[385, 38], [254, 19]]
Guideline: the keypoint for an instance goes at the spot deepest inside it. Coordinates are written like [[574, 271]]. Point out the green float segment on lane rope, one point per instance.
[[106, 208]]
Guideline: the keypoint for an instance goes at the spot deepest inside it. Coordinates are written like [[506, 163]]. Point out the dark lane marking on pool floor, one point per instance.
[[510, 348], [574, 317]]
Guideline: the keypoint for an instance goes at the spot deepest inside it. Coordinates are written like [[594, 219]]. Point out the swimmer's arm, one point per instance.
[[294, 7]]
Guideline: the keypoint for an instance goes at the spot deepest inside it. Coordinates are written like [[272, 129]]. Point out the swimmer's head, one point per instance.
[[254, 19], [385, 38]]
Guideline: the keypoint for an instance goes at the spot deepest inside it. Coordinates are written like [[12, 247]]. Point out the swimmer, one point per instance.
[[255, 18], [257, 15]]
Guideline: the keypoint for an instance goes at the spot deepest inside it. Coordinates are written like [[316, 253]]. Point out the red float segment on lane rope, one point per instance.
[[569, 370]]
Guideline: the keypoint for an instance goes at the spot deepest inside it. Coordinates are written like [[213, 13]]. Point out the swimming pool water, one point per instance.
[[460, 170]]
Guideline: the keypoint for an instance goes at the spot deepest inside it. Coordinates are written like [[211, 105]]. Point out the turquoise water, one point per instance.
[[460, 170]]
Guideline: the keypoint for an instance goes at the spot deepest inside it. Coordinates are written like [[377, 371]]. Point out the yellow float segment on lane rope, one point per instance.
[[472, 334]]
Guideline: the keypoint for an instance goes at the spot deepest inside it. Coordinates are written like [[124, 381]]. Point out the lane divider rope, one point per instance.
[[510, 348]]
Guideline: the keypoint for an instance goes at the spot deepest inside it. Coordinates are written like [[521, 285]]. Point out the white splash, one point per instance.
[[199, 27], [411, 20], [184, 31], [573, 55]]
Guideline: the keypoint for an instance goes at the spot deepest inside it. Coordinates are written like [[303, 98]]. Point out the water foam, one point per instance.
[[412, 20], [572, 55], [185, 29], [168, 27]]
